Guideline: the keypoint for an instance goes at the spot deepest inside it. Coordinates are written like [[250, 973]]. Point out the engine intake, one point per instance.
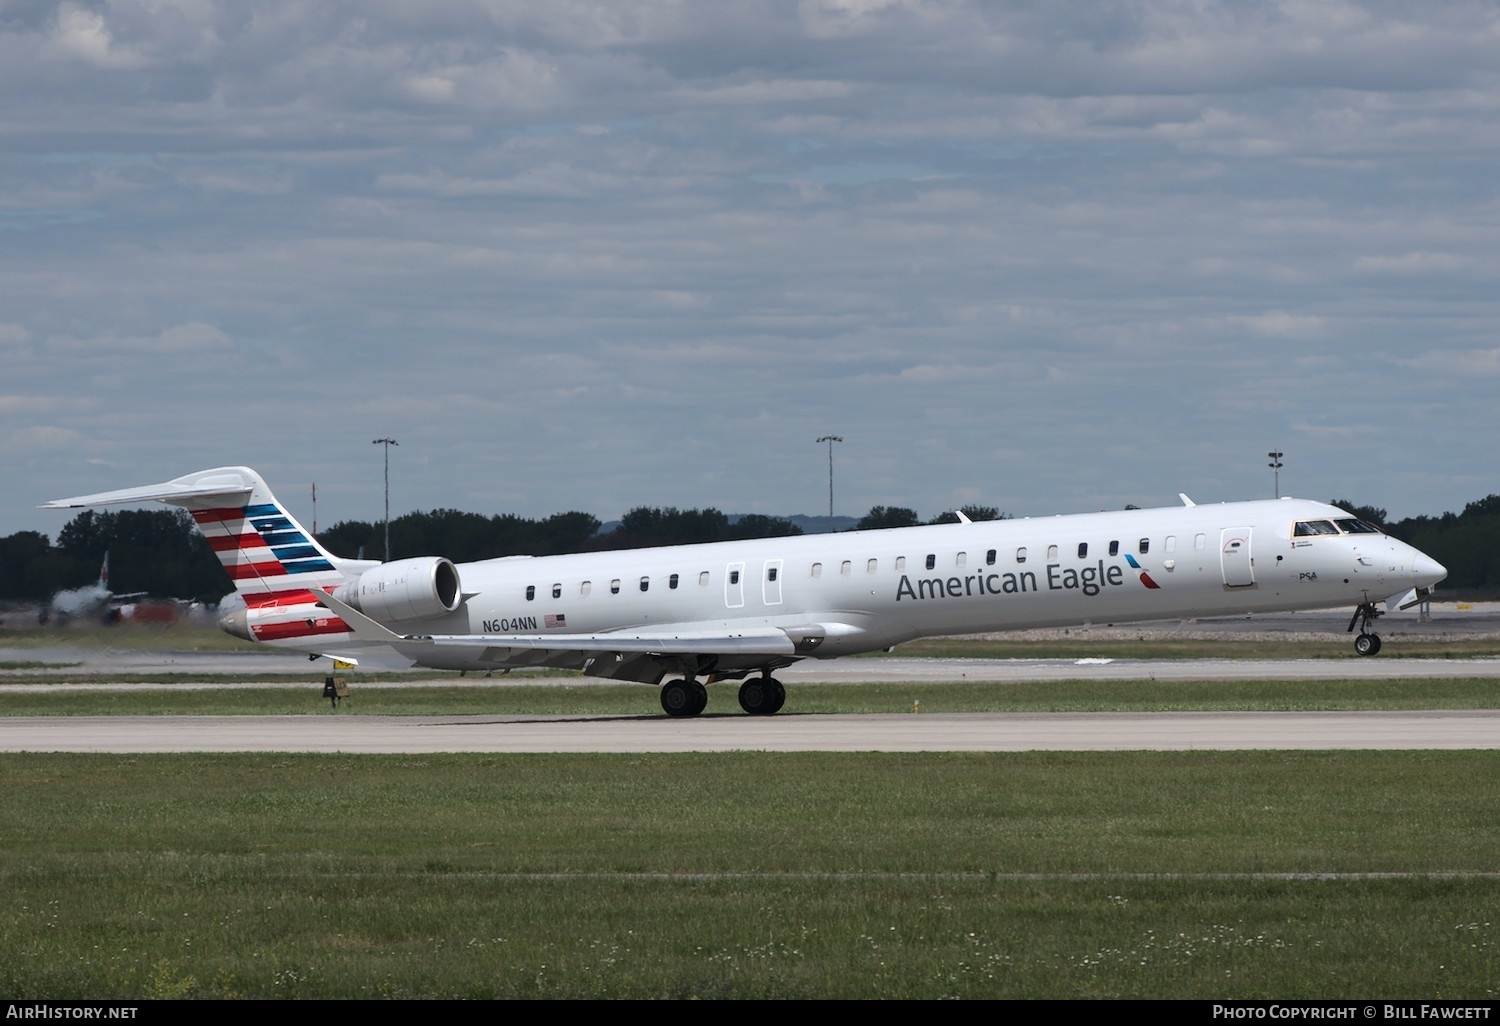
[[407, 589]]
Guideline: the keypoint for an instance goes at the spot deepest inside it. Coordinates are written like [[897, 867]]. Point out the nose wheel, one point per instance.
[[1368, 642]]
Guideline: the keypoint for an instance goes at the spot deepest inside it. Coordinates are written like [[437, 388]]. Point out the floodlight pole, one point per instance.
[[830, 439], [387, 442], [1275, 466]]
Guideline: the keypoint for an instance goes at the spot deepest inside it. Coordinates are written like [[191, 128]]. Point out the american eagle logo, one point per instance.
[[1145, 577]]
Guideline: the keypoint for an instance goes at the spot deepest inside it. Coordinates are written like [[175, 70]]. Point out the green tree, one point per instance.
[[887, 516], [1369, 514], [974, 513], [756, 525]]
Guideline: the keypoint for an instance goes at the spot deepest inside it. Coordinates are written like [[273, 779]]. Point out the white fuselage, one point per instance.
[[874, 589]]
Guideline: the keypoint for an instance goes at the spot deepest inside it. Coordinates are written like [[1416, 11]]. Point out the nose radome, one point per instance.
[[1426, 571]]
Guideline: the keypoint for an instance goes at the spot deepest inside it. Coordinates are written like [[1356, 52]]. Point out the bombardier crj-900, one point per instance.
[[738, 611]]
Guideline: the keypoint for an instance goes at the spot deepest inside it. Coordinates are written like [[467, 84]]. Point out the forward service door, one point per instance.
[[1235, 559]]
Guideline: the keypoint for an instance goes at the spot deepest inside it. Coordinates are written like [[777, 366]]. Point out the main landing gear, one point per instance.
[[762, 696], [685, 697], [759, 696], [1368, 642]]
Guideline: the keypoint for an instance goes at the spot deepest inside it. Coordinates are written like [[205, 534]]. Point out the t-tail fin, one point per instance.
[[267, 554]]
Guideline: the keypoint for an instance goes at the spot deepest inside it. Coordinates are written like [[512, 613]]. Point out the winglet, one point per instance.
[[1185, 500]]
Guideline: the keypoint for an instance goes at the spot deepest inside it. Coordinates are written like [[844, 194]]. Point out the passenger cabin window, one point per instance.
[[645, 583], [846, 568], [1021, 554], [557, 591], [871, 566], [530, 592], [1083, 550], [989, 558], [771, 573], [584, 588], [1114, 548], [961, 559], [734, 577], [1200, 542], [1051, 552], [703, 579], [817, 570], [1145, 545], [931, 560], [614, 586], [1171, 543], [900, 563], [672, 581], [1308, 528]]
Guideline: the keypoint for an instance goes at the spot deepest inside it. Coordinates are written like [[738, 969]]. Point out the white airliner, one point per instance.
[[92, 601], [739, 610]]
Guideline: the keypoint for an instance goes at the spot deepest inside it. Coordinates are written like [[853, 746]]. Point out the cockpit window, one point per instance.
[[1308, 528], [1352, 526]]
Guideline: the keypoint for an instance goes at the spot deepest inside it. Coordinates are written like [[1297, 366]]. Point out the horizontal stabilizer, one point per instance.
[[233, 484]]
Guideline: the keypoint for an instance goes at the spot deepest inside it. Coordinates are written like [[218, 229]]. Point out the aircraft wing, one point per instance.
[[575, 651]]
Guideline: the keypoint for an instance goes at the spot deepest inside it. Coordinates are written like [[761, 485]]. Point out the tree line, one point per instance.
[[161, 552]]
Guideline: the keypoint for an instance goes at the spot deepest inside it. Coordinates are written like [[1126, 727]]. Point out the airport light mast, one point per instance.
[[387, 442], [1275, 466], [830, 439]]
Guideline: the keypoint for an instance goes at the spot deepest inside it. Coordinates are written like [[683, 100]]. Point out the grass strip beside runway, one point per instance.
[[751, 875]]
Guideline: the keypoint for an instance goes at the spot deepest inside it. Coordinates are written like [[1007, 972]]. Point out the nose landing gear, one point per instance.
[[1368, 642]]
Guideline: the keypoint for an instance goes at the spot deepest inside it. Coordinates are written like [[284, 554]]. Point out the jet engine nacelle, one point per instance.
[[408, 589]]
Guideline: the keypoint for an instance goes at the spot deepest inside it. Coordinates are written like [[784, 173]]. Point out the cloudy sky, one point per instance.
[[1047, 256]]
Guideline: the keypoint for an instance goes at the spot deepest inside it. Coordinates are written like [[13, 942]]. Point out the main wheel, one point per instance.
[[778, 695], [762, 696], [755, 697], [1367, 644], [683, 698]]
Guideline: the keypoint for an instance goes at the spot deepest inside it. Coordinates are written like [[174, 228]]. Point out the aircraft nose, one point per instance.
[[1426, 571]]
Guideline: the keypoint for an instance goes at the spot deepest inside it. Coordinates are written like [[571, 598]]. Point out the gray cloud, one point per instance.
[[586, 255]]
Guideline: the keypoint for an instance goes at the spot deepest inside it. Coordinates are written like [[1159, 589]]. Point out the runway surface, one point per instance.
[[343, 732], [966, 732]]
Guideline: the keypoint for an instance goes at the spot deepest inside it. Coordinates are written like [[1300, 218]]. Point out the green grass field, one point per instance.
[[1188, 875]]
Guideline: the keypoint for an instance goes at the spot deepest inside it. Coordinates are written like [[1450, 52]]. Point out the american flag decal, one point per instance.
[[555, 620]]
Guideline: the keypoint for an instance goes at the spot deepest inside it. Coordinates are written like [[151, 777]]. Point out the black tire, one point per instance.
[[755, 697], [680, 698], [1367, 644], [762, 696], [778, 696]]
